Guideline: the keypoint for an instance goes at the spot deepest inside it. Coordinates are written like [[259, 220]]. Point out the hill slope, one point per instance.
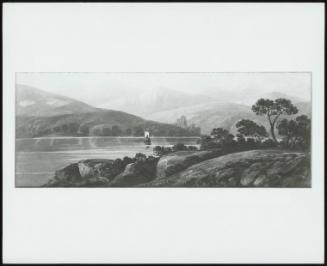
[[218, 114], [150, 101], [99, 123], [39, 113], [256, 168], [31, 101]]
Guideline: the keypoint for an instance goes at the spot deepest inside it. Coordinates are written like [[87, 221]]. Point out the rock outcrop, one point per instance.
[[258, 168], [66, 177], [178, 161], [104, 173], [136, 173], [87, 173]]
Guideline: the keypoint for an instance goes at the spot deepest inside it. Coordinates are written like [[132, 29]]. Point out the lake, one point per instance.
[[37, 159]]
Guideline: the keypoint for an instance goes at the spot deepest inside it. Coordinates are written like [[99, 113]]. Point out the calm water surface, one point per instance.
[[37, 159]]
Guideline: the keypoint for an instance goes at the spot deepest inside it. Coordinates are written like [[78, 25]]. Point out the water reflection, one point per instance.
[[37, 159]]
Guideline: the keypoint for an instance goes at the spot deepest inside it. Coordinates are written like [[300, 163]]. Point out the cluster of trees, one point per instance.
[[143, 169], [106, 131], [222, 139], [75, 129], [294, 133], [97, 124], [139, 157], [156, 129], [161, 150]]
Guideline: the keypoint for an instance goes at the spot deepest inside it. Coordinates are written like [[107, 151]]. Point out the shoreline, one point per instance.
[[108, 137]]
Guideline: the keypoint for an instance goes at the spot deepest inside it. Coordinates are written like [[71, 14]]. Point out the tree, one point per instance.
[[106, 131], [83, 130], [295, 132], [304, 129], [116, 131], [287, 129], [273, 110], [138, 131], [140, 157], [161, 150], [248, 128], [240, 140], [222, 136], [127, 160], [179, 147], [206, 143], [128, 131]]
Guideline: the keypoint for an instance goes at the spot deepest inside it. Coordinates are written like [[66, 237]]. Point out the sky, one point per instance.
[[90, 87]]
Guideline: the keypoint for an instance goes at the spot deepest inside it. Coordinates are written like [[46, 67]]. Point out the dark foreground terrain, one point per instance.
[[256, 168]]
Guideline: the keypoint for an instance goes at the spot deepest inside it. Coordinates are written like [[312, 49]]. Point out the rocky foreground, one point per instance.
[[257, 168]]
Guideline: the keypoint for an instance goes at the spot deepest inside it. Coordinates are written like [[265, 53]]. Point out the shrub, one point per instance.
[[179, 147], [160, 151], [140, 157], [296, 133]]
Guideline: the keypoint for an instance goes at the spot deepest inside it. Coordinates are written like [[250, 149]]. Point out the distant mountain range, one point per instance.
[[150, 101], [35, 102], [160, 100], [218, 114], [275, 95], [40, 113]]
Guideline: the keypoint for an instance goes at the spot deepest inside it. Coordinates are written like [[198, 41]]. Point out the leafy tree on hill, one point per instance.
[[140, 157], [107, 131], [273, 110], [249, 128], [295, 132], [222, 136], [116, 131], [219, 138], [138, 131], [128, 132], [160, 150]]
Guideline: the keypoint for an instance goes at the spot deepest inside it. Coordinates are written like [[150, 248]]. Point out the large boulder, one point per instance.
[[178, 161], [100, 168], [66, 176], [87, 173], [136, 173], [68, 173], [93, 167], [259, 168]]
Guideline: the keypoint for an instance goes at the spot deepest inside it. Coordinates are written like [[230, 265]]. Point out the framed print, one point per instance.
[[163, 130], [163, 133]]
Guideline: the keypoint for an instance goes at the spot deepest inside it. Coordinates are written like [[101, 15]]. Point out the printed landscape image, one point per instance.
[[163, 130]]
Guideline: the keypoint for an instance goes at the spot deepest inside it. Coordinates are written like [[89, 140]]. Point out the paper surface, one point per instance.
[[180, 225]]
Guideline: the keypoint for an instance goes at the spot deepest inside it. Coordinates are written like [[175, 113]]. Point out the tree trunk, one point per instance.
[[272, 131], [272, 126]]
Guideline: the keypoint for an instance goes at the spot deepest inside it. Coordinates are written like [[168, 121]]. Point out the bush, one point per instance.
[[179, 147], [161, 150], [128, 160], [269, 143], [296, 133], [192, 148], [249, 128], [219, 139], [140, 157], [207, 143]]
